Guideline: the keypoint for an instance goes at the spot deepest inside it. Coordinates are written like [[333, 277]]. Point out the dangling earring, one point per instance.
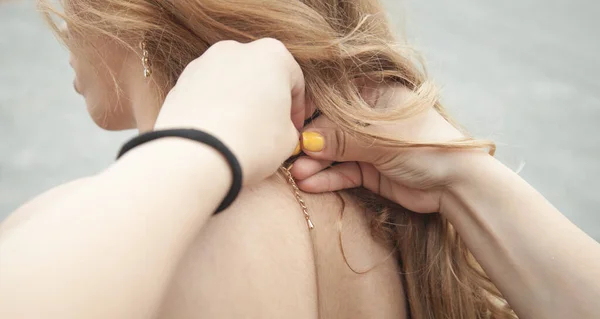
[[146, 59]]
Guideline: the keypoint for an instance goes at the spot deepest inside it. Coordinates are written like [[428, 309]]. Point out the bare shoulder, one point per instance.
[[260, 260], [254, 260]]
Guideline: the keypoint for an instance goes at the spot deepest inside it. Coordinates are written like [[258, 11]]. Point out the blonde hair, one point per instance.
[[337, 43]]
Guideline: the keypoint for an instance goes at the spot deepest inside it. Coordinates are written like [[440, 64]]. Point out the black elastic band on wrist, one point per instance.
[[200, 137]]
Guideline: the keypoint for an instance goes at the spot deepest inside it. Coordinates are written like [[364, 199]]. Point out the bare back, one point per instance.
[[259, 260]]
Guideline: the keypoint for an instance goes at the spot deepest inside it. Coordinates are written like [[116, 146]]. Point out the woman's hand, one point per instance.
[[157, 197], [544, 265], [415, 178], [250, 96]]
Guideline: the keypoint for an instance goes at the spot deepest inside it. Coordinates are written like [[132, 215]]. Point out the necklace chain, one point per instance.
[[290, 179]]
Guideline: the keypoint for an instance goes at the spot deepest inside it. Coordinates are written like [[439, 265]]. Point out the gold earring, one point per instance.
[[146, 59]]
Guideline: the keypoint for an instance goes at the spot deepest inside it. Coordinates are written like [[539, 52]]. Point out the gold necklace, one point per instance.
[[290, 179], [286, 171]]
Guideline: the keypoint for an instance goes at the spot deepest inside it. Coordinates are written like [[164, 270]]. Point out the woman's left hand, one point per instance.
[[259, 119], [250, 96]]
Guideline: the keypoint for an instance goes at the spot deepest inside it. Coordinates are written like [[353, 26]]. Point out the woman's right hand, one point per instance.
[[415, 178], [523, 243], [248, 95]]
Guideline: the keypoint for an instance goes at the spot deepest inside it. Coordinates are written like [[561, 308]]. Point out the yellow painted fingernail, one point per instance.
[[297, 150], [313, 141]]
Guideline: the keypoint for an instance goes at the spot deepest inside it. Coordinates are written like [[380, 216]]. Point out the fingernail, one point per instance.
[[297, 150], [313, 141]]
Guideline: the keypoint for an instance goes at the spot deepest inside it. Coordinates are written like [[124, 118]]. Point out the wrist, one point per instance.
[[470, 172], [180, 163]]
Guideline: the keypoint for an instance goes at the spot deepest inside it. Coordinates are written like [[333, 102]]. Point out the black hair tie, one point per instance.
[[200, 137]]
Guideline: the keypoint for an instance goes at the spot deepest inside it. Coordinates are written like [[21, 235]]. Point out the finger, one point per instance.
[[311, 110], [371, 178], [299, 104], [296, 77], [297, 84], [343, 176], [282, 57], [305, 167], [322, 140], [295, 142]]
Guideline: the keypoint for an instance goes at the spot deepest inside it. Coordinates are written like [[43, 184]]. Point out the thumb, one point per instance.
[[323, 140]]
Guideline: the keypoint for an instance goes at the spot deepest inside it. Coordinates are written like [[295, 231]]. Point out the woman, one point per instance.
[[107, 246], [127, 55], [261, 249]]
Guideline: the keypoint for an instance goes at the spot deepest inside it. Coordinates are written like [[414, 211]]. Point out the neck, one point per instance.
[[143, 92], [146, 104]]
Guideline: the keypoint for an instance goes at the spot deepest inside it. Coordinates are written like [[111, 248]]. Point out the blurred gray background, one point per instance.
[[522, 72]]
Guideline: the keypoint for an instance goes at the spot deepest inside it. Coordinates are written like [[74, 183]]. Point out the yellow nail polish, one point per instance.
[[313, 141], [297, 150]]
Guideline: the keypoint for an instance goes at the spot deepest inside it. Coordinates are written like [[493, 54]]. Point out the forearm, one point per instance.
[[543, 264], [109, 248]]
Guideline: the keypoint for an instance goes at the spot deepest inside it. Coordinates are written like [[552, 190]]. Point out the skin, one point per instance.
[[542, 263], [108, 77], [256, 260], [70, 229]]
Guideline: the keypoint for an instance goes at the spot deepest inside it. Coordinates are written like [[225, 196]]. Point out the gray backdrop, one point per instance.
[[522, 72]]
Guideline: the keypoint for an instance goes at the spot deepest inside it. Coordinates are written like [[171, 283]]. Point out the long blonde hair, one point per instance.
[[337, 43]]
